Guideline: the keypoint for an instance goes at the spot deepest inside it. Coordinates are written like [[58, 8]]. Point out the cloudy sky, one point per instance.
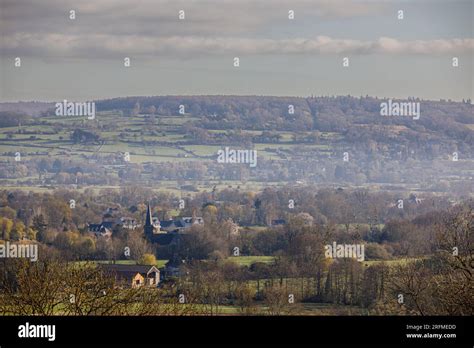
[[83, 58]]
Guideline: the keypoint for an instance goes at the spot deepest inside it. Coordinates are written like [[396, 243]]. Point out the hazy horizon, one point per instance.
[[234, 95]]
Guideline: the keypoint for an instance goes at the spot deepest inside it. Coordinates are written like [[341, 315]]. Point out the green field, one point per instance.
[[249, 260], [159, 139], [159, 263], [126, 134], [393, 262]]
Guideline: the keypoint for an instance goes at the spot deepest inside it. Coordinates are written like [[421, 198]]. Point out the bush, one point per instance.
[[147, 259], [374, 251]]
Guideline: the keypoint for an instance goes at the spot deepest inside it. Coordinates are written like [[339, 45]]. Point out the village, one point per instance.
[[156, 232]]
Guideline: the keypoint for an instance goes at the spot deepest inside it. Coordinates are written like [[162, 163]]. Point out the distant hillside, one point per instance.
[[342, 114], [148, 141], [33, 108]]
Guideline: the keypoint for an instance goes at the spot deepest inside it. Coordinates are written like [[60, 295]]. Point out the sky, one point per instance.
[[83, 58]]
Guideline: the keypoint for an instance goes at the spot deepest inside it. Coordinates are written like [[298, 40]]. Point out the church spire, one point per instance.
[[149, 220], [148, 227]]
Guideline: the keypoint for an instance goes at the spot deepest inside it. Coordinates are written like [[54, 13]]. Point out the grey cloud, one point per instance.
[[108, 46], [149, 28], [159, 17]]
